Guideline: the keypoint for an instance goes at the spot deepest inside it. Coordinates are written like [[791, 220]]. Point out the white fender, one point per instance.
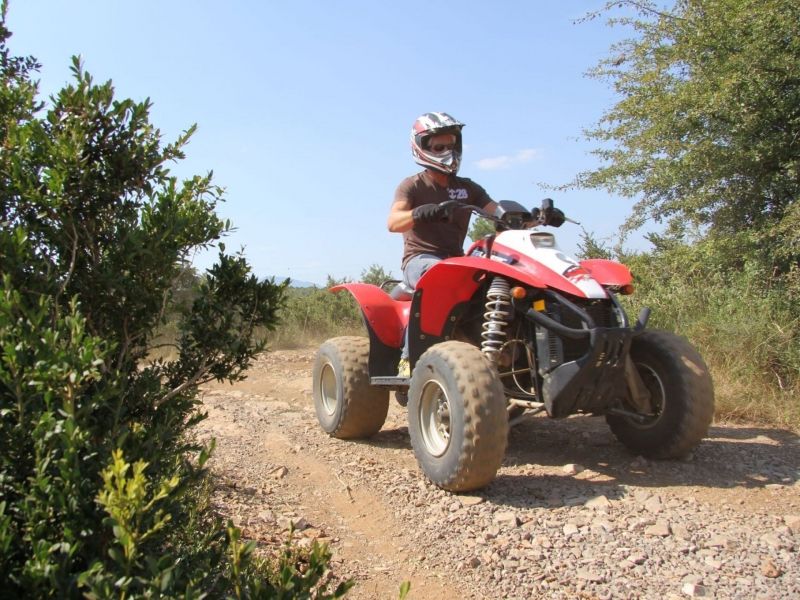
[[542, 247]]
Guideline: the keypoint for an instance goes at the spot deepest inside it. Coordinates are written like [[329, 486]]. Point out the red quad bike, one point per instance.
[[513, 326]]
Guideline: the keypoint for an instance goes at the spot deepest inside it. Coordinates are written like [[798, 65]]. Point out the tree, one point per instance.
[[705, 131], [704, 136], [100, 481], [590, 246], [480, 228], [375, 275]]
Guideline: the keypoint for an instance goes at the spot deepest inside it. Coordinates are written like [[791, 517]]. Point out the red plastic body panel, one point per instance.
[[607, 272], [454, 280], [385, 316]]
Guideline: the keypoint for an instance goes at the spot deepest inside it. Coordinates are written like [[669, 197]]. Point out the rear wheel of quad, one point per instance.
[[347, 405], [682, 397], [457, 416]]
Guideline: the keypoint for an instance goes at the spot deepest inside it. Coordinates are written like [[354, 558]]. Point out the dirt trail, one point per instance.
[[270, 477], [571, 513]]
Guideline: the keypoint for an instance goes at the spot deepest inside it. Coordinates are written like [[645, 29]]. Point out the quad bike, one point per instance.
[[512, 327]]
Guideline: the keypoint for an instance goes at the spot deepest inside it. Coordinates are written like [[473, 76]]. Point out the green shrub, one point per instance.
[[744, 318], [313, 314], [103, 492], [737, 308]]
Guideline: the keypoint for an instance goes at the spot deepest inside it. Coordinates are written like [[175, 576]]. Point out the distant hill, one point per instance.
[[295, 282], [300, 284]]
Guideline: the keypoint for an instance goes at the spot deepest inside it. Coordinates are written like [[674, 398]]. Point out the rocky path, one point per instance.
[[571, 514]]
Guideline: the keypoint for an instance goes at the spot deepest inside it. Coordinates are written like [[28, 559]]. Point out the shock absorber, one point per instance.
[[495, 319]]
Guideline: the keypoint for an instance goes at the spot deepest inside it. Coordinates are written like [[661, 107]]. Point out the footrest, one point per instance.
[[394, 382]]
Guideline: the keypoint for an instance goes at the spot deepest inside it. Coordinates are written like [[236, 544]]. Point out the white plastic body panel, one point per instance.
[[543, 248]]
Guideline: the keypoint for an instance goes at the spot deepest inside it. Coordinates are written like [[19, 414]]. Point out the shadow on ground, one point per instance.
[[730, 457]]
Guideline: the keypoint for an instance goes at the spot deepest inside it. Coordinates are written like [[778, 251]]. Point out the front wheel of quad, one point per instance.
[[457, 416], [681, 397], [347, 405]]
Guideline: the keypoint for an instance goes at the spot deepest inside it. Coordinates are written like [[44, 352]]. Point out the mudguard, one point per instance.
[[384, 317], [453, 281], [608, 272]]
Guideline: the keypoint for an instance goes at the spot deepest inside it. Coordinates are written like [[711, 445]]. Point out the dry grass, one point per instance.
[[744, 400], [290, 338]]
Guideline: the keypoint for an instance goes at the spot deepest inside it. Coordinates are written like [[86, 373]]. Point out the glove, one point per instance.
[[428, 213], [553, 217]]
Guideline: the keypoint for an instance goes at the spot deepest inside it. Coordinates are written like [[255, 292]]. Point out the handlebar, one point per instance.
[[513, 215]]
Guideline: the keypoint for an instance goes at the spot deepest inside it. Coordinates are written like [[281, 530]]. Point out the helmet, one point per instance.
[[427, 126]]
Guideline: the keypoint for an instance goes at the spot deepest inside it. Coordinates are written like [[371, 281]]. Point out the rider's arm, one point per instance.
[[481, 199], [401, 217], [490, 207]]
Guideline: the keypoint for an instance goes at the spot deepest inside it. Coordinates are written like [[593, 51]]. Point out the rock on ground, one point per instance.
[[571, 513]]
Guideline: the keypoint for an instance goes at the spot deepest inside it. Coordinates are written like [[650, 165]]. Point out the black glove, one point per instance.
[[553, 217], [428, 213], [549, 215]]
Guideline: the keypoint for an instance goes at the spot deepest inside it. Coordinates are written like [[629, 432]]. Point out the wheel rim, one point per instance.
[[327, 389], [658, 395], [434, 418]]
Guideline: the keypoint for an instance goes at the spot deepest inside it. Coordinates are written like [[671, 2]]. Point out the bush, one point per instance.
[[740, 311], [313, 314], [102, 490], [744, 318]]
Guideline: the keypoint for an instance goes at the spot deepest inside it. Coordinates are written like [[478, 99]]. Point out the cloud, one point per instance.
[[496, 163]]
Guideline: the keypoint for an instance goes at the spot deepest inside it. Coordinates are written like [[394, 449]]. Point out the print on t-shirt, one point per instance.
[[457, 194]]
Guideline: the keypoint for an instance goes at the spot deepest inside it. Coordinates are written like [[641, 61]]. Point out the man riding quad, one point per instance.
[[424, 205]]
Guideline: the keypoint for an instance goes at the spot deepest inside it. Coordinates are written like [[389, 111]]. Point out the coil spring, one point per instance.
[[498, 311]]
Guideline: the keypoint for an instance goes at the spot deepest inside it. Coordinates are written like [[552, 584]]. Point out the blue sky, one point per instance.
[[304, 107]]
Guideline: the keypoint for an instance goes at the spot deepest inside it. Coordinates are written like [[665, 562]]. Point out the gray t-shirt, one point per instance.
[[441, 239]]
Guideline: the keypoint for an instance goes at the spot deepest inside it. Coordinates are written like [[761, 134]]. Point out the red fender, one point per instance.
[[383, 315], [608, 272], [454, 280]]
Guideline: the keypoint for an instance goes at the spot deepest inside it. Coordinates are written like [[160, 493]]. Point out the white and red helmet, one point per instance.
[[427, 126]]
